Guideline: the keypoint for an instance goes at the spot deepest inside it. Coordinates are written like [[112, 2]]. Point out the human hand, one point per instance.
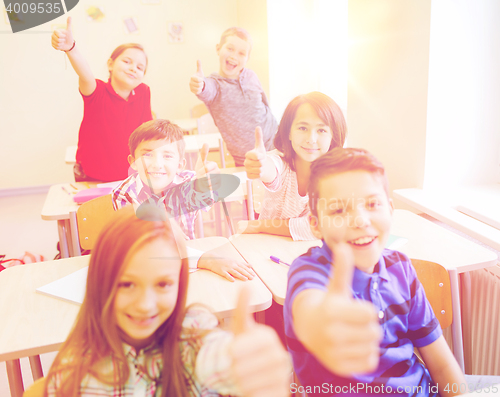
[[197, 83], [248, 227], [226, 267], [206, 172], [62, 40], [344, 333], [261, 366], [255, 158]]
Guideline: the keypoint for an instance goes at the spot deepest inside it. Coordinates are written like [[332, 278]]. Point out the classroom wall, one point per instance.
[[387, 84], [307, 50], [40, 107], [252, 15], [463, 118]]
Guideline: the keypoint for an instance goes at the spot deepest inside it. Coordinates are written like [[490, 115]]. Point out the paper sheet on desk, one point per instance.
[[242, 176], [71, 288]]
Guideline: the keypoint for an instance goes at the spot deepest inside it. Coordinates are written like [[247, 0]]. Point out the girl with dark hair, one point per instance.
[[312, 124]]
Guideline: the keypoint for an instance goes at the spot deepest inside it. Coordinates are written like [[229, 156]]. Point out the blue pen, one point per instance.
[[278, 260]]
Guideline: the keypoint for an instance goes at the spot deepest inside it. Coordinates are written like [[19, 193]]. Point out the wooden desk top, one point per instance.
[[59, 203], [442, 207], [426, 240], [257, 248], [195, 142], [33, 323]]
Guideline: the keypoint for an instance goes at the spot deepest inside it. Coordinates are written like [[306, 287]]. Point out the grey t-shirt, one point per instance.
[[237, 107]]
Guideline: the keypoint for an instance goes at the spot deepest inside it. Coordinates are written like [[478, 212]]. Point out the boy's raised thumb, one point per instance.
[[204, 153], [242, 319], [259, 140], [343, 270], [68, 24], [199, 70]]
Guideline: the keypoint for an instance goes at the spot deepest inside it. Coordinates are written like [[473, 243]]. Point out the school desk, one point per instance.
[[34, 323], [444, 206], [426, 241], [193, 144], [59, 205]]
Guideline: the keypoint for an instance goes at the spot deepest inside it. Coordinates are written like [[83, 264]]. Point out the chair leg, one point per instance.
[[36, 367], [15, 378]]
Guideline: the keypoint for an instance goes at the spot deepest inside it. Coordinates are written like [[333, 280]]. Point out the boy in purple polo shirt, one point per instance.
[[354, 311], [235, 97]]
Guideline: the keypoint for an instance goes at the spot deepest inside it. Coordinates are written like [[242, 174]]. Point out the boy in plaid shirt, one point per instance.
[[157, 161]]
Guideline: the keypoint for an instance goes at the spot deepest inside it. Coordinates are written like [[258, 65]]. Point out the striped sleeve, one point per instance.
[[300, 229]]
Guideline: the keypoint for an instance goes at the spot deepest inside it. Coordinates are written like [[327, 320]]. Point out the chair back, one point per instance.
[[436, 282], [198, 110], [91, 218], [36, 389], [206, 124]]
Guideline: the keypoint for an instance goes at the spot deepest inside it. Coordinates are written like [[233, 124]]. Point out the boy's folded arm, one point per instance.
[[443, 367], [216, 261]]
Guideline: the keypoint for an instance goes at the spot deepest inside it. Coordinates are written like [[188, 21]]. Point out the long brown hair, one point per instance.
[[327, 110], [95, 336]]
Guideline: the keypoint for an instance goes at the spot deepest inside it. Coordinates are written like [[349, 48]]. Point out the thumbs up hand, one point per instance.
[[261, 366], [343, 333], [256, 158], [197, 83], [63, 39], [205, 168]]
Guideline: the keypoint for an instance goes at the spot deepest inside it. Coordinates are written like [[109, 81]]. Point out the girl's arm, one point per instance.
[[63, 40], [297, 228], [258, 165], [444, 369], [278, 227]]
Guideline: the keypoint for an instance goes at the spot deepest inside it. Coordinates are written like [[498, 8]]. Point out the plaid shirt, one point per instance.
[[206, 365], [180, 199]]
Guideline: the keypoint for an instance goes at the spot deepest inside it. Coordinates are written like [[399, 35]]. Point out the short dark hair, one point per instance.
[[341, 160], [327, 110], [156, 130]]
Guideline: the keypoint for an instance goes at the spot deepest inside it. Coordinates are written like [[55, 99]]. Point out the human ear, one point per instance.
[[110, 64], [131, 161], [217, 48], [182, 164], [314, 224], [391, 205]]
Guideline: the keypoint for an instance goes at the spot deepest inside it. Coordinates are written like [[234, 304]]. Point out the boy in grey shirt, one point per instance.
[[235, 97]]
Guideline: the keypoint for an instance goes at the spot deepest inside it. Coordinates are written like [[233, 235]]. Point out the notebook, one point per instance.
[[71, 288]]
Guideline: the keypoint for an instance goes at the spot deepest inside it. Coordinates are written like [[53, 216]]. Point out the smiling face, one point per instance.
[[147, 291], [127, 70], [157, 162], [353, 207], [233, 56], [310, 136]]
